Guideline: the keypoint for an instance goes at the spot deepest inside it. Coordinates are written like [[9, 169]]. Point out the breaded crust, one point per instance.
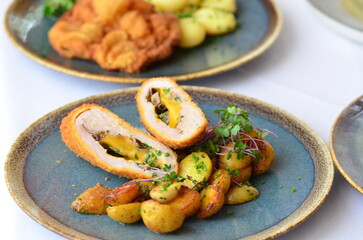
[[73, 139], [188, 132]]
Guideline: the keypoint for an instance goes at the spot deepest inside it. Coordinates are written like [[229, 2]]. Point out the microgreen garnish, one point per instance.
[[234, 127], [230, 213]]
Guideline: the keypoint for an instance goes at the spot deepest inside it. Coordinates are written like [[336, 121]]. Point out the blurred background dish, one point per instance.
[[260, 23], [346, 143], [345, 16]]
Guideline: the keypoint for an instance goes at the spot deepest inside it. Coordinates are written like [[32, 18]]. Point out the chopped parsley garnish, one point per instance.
[[56, 8], [230, 213]]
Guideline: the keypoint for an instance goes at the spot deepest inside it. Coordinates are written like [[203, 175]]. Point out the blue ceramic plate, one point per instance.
[[259, 25], [346, 141], [44, 177]]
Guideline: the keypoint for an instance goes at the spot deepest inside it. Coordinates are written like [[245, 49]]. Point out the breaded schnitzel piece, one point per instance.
[[121, 35], [169, 113], [112, 144]]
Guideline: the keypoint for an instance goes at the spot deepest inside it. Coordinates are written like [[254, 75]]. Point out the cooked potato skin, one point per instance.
[[197, 166], [123, 194], [92, 201], [221, 179], [188, 201], [233, 162], [144, 189], [244, 174], [161, 218], [241, 194], [165, 195], [125, 213], [212, 202], [264, 164]]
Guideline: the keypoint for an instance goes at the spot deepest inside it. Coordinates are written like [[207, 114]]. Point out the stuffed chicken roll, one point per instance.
[[169, 113], [109, 142]]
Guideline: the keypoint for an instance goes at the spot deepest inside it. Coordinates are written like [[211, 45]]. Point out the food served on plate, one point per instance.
[[214, 171], [128, 35], [199, 18], [169, 113], [109, 142], [124, 35], [354, 7]]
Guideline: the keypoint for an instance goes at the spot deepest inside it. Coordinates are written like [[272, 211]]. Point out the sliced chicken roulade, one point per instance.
[[109, 142], [169, 113]]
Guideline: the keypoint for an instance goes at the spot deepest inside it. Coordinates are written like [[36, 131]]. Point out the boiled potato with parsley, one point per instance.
[[215, 21], [226, 5], [173, 6], [125, 213], [196, 166], [241, 194], [191, 6], [193, 33], [161, 218]]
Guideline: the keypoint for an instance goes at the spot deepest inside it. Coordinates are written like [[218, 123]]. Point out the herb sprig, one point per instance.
[[234, 126]]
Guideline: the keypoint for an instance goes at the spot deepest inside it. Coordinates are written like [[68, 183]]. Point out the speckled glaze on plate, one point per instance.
[[346, 143], [260, 24], [40, 172], [333, 13]]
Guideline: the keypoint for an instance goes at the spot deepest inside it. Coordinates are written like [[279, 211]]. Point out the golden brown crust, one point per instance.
[[72, 139], [161, 135]]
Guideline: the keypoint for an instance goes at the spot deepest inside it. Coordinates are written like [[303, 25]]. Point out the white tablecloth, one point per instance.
[[310, 71]]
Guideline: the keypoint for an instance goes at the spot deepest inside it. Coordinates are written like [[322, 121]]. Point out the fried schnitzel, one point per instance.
[[124, 35]]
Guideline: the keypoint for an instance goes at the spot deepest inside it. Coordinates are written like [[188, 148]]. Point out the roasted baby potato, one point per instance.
[[144, 189], [231, 160], [243, 174], [263, 164], [215, 21], [226, 5], [241, 194], [212, 202], [161, 218], [92, 201], [221, 179], [188, 201], [125, 213], [196, 166], [165, 193], [123, 194]]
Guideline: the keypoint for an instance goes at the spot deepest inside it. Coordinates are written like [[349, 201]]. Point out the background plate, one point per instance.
[[40, 172], [259, 25], [346, 143], [336, 16]]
